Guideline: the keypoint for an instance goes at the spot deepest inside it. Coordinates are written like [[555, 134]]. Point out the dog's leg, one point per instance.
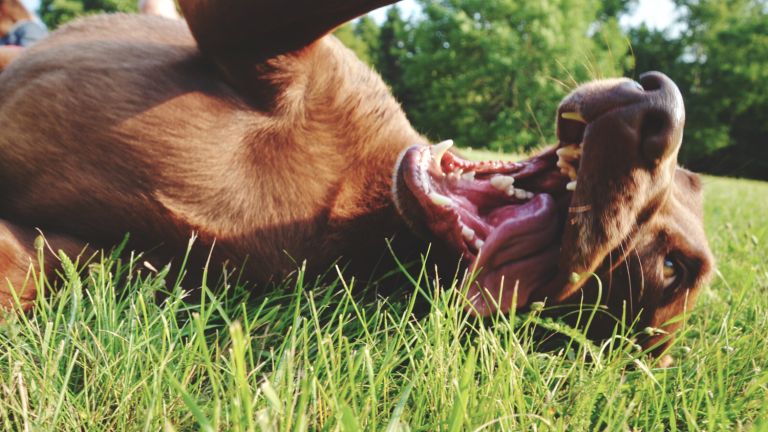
[[19, 252], [264, 28]]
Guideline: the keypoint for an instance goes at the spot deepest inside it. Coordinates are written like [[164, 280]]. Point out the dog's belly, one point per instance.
[[105, 134]]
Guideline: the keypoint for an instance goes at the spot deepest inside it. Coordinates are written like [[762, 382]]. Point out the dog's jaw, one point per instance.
[[535, 229]]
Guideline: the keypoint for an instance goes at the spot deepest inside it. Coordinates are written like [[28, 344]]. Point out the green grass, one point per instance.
[[102, 353]]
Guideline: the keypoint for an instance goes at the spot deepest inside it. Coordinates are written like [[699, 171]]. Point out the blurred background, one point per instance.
[[490, 73]]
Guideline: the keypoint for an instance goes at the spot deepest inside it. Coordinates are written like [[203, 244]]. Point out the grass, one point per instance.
[[102, 353]]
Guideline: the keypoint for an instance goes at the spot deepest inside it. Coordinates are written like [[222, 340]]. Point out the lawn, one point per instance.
[[102, 353]]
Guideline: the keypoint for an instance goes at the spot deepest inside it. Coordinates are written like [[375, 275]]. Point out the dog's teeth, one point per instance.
[[511, 191], [440, 200], [502, 182], [438, 150], [571, 186], [569, 152], [573, 115], [529, 195], [479, 244], [520, 194], [468, 233], [469, 175], [567, 169]]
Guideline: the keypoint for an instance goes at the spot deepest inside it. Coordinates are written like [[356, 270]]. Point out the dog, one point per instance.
[[251, 126]]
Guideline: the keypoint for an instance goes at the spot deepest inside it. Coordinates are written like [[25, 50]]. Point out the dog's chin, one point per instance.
[[504, 219]]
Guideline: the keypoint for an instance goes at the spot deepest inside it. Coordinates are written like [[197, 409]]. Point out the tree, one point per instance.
[[57, 12], [392, 51], [347, 36], [490, 73], [720, 63], [368, 31], [362, 37]]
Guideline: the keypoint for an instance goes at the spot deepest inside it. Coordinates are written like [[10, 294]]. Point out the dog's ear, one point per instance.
[[264, 28]]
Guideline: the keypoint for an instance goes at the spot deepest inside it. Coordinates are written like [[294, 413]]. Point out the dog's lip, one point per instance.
[[585, 110], [503, 215], [597, 115]]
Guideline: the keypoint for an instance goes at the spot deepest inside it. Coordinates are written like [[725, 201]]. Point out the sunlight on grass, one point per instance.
[[119, 347]]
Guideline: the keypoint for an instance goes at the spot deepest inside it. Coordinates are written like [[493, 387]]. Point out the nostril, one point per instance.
[[655, 135], [651, 81], [654, 123]]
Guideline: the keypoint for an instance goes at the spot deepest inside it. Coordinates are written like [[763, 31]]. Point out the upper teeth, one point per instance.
[[566, 159], [521, 194], [573, 115], [438, 151], [572, 151]]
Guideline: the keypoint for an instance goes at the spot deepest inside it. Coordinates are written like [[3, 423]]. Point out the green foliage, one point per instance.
[[613, 8], [720, 62], [57, 12], [348, 37], [491, 73], [118, 347], [392, 52]]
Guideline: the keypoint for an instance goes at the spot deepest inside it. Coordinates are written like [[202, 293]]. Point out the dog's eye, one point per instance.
[[672, 273]]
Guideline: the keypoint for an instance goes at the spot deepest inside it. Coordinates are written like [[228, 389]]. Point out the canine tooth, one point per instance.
[[467, 232], [567, 169], [440, 200], [520, 194], [573, 115], [479, 244], [569, 152], [469, 175], [438, 150], [502, 182], [571, 186]]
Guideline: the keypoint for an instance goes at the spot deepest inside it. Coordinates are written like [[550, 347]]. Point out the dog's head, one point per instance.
[[609, 200]]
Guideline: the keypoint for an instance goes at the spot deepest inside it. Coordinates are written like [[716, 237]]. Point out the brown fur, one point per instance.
[[278, 144], [281, 174], [8, 54]]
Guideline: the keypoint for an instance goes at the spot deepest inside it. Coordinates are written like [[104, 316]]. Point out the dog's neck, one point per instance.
[[318, 102]]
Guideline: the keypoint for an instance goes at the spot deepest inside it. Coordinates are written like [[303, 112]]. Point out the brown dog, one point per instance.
[[257, 131]]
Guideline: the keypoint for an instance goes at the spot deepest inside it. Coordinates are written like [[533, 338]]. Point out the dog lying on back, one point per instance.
[[250, 127]]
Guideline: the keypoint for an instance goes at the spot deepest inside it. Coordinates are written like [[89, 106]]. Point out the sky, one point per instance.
[[657, 14]]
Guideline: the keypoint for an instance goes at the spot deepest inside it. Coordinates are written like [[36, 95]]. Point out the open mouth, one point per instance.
[[505, 219], [524, 227]]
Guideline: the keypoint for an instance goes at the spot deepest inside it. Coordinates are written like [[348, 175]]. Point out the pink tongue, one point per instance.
[[520, 252]]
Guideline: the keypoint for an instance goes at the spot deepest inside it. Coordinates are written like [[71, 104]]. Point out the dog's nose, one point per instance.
[[662, 117]]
